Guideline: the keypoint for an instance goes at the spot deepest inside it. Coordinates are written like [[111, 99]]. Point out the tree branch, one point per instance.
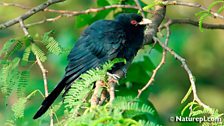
[[63, 13], [160, 64], [91, 10], [185, 66], [195, 5], [45, 20], [195, 23], [151, 30], [29, 13], [14, 5]]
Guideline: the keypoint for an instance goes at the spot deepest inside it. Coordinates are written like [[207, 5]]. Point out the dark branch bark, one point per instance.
[[151, 30]]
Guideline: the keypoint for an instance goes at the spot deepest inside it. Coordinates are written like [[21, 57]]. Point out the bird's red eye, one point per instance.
[[134, 22]]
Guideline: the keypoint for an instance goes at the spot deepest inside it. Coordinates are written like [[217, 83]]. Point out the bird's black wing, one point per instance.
[[99, 43]]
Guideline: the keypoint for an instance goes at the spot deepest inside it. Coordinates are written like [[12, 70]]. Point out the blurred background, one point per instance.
[[203, 52]]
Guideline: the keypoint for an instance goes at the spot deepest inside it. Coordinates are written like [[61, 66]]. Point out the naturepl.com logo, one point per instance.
[[194, 119]]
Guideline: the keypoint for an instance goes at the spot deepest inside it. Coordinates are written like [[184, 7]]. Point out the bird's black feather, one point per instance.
[[102, 41]]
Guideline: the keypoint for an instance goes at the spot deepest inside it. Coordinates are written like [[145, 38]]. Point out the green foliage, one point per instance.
[[51, 44], [113, 114], [147, 123], [81, 87], [38, 52], [220, 9], [214, 3], [15, 69], [23, 82], [7, 46], [151, 5], [26, 54], [196, 110], [9, 76], [132, 107], [111, 2], [204, 14], [123, 111], [9, 123], [187, 95], [102, 3], [18, 107]]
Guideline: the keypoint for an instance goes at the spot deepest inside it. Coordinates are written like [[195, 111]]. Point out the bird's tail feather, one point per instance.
[[50, 98]]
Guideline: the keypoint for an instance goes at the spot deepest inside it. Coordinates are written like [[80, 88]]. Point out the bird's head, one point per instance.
[[132, 20]]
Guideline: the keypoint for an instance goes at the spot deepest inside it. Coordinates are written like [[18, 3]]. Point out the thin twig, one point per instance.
[[159, 65], [195, 5], [185, 66], [44, 73], [63, 13], [23, 27], [140, 8], [43, 70], [28, 13], [195, 23], [67, 13], [91, 10], [45, 20], [14, 5]]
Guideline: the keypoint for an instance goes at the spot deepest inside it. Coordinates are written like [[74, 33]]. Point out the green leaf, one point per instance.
[[51, 44], [220, 9], [150, 6], [3, 78], [9, 76], [198, 14], [38, 52], [187, 95], [47, 34], [19, 107], [83, 20], [202, 15], [187, 106], [7, 46], [201, 20], [111, 2], [23, 81], [26, 54], [9, 123], [213, 4], [15, 63], [102, 3], [18, 45]]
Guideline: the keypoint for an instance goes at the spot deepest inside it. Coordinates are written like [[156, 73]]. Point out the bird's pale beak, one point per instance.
[[145, 21]]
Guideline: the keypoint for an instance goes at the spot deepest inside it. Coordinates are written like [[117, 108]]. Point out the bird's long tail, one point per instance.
[[50, 98]]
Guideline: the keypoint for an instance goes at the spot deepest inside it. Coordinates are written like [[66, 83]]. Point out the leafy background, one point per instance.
[[203, 52]]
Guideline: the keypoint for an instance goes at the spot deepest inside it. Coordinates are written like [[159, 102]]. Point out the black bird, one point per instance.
[[102, 41]]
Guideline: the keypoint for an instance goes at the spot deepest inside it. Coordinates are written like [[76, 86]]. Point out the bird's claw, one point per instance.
[[114, 76]]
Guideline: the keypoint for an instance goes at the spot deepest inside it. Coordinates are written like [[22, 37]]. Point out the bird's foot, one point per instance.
[[114, 76], [112, 81]]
